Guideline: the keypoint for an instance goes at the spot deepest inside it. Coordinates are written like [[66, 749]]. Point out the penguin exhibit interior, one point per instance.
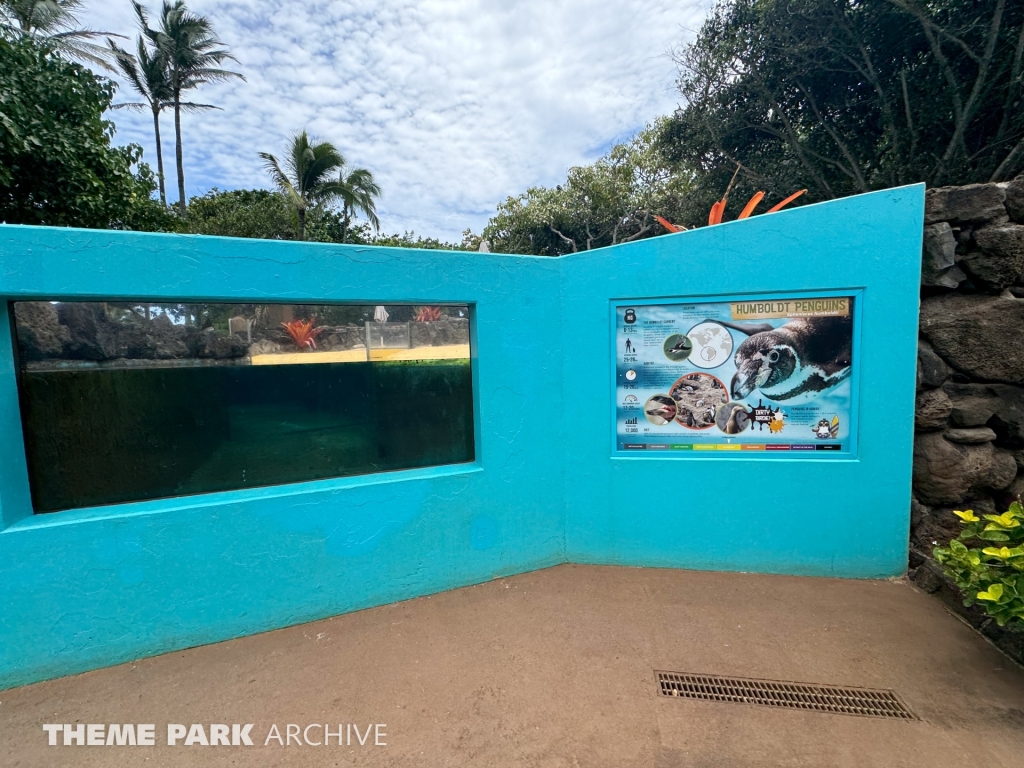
[[204, 438]]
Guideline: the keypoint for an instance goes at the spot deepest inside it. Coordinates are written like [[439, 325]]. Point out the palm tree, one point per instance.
[[358, 193], [54, 22], [147, 74], [185, 41], [306, 181], [305, 178]]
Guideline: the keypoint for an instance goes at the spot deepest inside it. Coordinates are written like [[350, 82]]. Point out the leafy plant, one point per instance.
[[992, 575], [427, 314], [57, 165], [303, 333]]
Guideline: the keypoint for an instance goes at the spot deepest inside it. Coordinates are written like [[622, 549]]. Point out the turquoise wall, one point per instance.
[[89, 588], [821, 517]]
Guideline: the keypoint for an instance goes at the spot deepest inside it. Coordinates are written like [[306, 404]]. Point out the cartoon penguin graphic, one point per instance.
[[827, 430], [795, 362]]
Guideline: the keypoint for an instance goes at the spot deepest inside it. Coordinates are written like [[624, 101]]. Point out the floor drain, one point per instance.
[[865, 702]]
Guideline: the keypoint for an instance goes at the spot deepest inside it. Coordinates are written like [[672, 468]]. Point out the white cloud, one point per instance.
[[453, 105]]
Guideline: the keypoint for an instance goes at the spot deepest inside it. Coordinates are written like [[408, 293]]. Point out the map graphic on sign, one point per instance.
[[752, 375], [712, 345]]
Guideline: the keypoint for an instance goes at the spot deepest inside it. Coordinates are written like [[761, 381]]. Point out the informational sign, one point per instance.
[[771, 375]]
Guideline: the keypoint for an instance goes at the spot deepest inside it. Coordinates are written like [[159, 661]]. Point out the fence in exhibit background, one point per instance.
[[190, 455]]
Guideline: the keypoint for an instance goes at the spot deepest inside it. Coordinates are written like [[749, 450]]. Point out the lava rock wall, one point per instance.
[[969, 421]]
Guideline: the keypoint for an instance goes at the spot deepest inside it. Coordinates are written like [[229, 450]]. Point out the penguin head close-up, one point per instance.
[[762, 361]]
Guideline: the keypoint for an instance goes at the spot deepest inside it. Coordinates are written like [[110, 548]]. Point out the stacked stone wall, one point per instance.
[[969, 439]]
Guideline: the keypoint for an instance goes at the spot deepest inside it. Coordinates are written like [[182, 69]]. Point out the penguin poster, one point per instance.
[[772, 375]]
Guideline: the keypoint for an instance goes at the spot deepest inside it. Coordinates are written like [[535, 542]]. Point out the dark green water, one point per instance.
[[107, 436]]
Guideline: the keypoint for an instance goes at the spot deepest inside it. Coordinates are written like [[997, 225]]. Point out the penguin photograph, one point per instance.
[[660, 410], [697, 397], [733, 418], [796, 362], [677, 347]]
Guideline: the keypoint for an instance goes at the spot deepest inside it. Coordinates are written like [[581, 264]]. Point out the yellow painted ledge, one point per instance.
[[449, 352]]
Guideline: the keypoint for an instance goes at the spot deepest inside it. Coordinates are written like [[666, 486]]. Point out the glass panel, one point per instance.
[[131, 401]]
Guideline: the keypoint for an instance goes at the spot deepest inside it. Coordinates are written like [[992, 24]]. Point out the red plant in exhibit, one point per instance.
[[428, 314], [303, 333]]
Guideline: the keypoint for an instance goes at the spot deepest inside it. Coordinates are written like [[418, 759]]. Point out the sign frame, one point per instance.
[[849, 450]]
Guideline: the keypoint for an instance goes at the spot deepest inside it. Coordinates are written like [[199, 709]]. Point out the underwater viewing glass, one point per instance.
[[128, 401]]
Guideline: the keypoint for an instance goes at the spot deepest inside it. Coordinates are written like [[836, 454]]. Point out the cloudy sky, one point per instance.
[[453, 104]]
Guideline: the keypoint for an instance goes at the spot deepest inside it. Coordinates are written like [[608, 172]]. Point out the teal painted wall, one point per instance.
[[800, 516], [89, 588]]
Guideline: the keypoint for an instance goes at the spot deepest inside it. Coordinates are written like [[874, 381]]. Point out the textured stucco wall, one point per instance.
[[821, 517], [89, 588]]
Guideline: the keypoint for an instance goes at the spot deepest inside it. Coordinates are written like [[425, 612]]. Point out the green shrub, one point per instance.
[[57, 165], [992, 575]]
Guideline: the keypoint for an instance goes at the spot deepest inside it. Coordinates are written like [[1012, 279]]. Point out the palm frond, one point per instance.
[[188, 106], [281, 180], [55, 23]]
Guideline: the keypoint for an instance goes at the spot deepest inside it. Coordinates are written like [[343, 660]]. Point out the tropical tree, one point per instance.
[[193, 55], [313, 174], [846, 96], [613, 200], [358, 194], [55, 23], [57, 165], [257, 213], [148, 76]]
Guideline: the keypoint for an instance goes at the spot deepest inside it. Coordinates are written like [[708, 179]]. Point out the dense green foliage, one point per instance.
[[470, 242], [992, 575], [257, 213], [844, 96], [261, 213], [57, 166], [614, 200]]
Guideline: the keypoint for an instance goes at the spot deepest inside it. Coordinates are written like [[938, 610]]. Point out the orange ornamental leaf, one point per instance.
[[715, 216], [751, 205], [668, 224], [787, 201]]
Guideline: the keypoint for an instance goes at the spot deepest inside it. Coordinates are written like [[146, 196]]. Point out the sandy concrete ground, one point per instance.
[[555, 669]]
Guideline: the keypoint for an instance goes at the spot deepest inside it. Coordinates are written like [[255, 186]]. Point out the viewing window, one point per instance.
[[126, 401]]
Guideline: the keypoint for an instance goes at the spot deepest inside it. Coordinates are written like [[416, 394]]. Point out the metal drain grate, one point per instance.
[[778, 693]]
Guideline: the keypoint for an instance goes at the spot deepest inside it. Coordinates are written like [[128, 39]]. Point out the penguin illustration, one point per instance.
[[827, 429], [795, 362]]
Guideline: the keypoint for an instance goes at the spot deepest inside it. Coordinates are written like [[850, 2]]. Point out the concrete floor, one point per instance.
[[555, 668]]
